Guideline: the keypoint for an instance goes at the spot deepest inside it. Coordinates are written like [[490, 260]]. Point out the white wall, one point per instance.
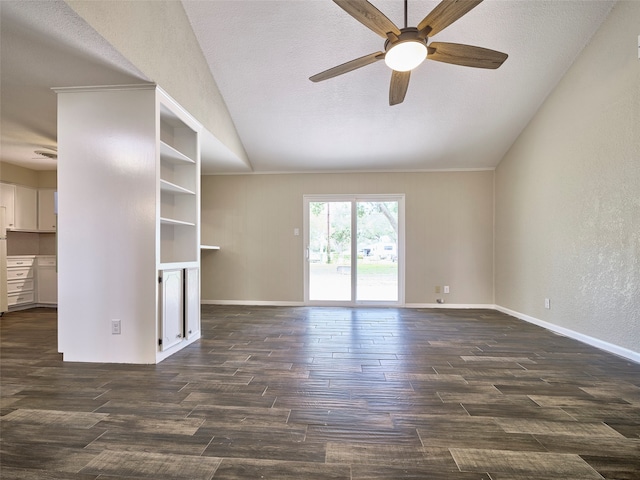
[[568, 197], [107, 225], [449, 233], [156, 36]]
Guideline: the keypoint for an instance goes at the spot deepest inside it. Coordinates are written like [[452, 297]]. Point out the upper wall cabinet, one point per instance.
[[8, 201], [28, 209], [21, 207], [26, 213], [46, 210]]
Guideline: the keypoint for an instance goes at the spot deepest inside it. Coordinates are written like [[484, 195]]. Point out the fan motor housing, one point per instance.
[[408, 34]]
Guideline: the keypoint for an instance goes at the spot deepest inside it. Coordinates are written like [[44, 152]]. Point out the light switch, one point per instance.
[[296, 232]]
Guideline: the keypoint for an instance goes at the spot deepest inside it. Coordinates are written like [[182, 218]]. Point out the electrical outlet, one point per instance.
[[115, 327], [438, 289], [446, 289], [547, 303]]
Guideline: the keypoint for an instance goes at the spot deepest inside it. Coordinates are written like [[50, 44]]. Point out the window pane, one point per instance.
[[377, 264], [330, 251]]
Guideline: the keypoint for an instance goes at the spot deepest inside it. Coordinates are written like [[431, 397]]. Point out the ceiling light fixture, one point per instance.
[[406, 48], [406, 52], [53, 155]]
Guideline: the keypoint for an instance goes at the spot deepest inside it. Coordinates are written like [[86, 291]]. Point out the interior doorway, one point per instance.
[[354, 249]]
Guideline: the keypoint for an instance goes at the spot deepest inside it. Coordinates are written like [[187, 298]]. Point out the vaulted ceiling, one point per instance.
[[262, 53]]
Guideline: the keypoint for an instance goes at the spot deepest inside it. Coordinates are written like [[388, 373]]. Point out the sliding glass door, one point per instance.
[[329, 251], [377, 258], [354, 249]]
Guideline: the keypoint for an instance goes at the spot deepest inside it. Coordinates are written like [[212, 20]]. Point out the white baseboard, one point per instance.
[[454, 306], [256, 303], [594, 342], [271, 303]]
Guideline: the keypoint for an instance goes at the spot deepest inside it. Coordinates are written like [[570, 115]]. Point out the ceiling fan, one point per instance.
[[406, 48]]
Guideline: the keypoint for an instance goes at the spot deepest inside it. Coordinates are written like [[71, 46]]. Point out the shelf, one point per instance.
[[169, 187], [170, 154], [172, 221], [178, 264], [209, 247]]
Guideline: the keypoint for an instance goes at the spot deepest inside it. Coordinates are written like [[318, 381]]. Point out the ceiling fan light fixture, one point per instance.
[[406, 48], [405, 56]]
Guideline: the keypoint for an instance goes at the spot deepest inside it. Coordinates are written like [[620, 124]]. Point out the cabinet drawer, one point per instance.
[[46, 261], [19, 273], [20, 261], [19, 286], [20, 298]]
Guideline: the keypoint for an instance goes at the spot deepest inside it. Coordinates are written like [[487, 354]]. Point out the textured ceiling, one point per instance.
[[44, 45], [261, 54]]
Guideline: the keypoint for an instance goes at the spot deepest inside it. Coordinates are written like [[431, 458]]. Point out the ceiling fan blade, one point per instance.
[[369, 16], [398, 87], [347, 67], [445, 13], [465, 55]]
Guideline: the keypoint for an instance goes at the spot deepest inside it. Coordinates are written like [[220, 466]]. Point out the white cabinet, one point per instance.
[[180, 305], [32, 281], [192, 302], [128, 216], [20, 280], [21, 204], [26, 208], [46, 280], [172, 312], [46, 210], [8, 200]]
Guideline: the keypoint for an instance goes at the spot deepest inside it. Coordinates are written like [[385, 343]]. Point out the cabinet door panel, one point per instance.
[[172, 308], [47, 285], [192, 306], [7, 200], [46, 210], [26, 217]]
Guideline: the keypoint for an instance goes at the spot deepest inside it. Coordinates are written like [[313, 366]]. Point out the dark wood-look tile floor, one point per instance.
[[323, 393]]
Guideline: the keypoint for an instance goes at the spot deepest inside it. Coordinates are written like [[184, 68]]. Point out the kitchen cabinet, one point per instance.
[[46, 280], [21, 204], [132, 216], [31, 281], [20, 281], [46, 210], [8, 200], [26, 208]]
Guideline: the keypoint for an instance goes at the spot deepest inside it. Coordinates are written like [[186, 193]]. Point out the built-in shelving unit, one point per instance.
[[179, 185], [132, 217]]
